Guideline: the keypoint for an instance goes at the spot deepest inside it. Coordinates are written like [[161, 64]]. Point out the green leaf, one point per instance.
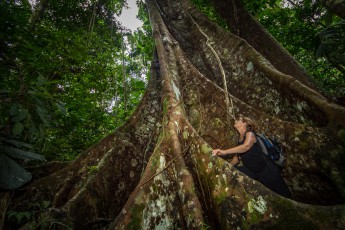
[[14, 110], [16, 143], [17, 128], [61, 107], [328, 17], [21, 154], [307, 2], [45, 204], [42, 113], [23, 113], [42, 133], [41, 80], [19, 216], [33, 132], [12, 175]]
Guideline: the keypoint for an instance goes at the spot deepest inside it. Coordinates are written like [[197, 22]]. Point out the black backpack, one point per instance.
[[271, 148]]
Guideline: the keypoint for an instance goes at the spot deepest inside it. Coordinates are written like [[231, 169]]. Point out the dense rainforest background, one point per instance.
[[71, 74]]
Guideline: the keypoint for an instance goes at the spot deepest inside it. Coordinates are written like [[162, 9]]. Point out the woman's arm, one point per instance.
[[248, 143]]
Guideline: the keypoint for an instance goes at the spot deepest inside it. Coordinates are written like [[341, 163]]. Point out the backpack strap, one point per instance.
[[259, 139]]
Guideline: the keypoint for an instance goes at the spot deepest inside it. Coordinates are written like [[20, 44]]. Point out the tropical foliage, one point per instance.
[[68, 78], [306, 29]]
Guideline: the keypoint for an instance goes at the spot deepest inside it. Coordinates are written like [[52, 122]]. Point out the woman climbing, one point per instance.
[[254, 162]]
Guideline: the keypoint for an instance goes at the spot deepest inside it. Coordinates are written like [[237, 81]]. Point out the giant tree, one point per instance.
[[156, 171]]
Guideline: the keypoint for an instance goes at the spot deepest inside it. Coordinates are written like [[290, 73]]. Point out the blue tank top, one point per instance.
[[253, 159]]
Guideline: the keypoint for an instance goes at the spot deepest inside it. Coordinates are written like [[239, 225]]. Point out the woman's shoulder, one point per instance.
[[250, 134]]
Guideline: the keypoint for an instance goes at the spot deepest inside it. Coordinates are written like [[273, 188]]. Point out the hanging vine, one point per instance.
[[124, 73], [228, 101]]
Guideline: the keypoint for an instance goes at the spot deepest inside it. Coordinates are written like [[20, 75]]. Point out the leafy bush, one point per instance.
[[12, 174]]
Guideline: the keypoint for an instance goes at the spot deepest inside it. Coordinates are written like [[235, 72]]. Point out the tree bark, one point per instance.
[[243, 24], [156, 171], [335, 6]]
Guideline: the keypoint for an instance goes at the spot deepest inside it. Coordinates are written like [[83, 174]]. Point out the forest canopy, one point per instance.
[[69, 77]]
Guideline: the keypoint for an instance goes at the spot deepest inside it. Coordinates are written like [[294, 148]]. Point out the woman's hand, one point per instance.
[[217, 152]]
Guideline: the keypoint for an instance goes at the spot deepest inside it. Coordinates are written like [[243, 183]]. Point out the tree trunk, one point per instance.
[[124, 75], [37, 14], [243, 24], [335, 6], [156, 171]]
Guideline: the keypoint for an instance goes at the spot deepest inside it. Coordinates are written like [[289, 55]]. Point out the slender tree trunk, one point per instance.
[[38, 12], [124, 74], [156, 171], [93, 18]]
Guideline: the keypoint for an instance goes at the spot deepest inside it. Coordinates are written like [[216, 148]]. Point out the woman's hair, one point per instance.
[[251, 126]]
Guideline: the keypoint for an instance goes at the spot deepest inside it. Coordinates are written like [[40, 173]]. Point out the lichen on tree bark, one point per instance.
[[156, 171]]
